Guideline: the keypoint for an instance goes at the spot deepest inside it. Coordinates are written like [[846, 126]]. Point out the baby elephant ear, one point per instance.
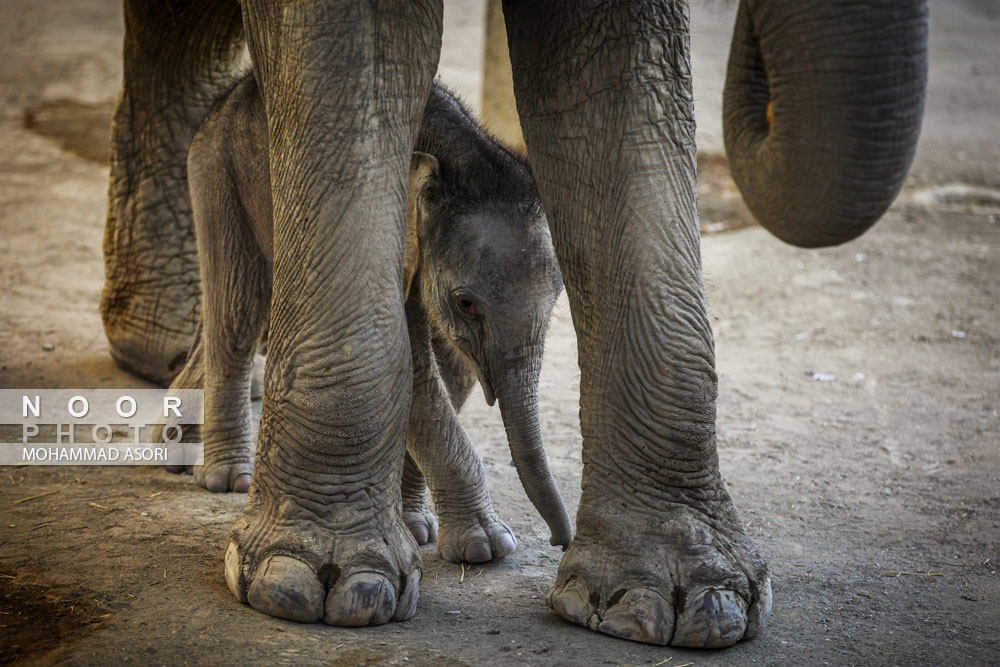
[[423, 169]]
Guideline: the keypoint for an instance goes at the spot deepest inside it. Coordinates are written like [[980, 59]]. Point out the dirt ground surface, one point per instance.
[[858, 424]]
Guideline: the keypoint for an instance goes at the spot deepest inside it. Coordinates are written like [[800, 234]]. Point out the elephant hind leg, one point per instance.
[[177, 58]]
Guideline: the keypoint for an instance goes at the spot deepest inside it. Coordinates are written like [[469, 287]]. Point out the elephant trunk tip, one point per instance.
[[518, 399], [557, 519], [561, 538]]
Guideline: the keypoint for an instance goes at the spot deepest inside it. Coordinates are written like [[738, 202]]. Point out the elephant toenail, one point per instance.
[[242, 483], [760, 613], [233, 573], [572, 601], [407, 605], [215, 483], [385, 606], [363, 598], [175, 468], [287, 588], [506, 544], [640, 615], [448, 554], [713, 619], [477, 552], [419, 532]]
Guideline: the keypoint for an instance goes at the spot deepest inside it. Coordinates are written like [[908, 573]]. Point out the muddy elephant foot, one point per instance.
[[285, 563], [676, 576], [473, 536]]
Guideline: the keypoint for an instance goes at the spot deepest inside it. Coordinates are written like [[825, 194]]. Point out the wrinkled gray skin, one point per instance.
[[604, 96], [480, 276]]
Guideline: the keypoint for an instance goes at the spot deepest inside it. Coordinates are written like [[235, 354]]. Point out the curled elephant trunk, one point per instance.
[[519, 408], [822, 111]]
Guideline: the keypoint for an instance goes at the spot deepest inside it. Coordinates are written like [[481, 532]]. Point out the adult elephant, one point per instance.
[[823, 107]]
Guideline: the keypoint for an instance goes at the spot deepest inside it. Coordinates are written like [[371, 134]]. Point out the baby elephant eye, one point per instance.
[[466, 305]]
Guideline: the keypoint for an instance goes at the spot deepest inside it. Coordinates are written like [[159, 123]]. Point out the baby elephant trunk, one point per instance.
[[517, 394]]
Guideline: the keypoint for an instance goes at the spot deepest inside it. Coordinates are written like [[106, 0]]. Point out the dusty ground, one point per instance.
[[875, 495]]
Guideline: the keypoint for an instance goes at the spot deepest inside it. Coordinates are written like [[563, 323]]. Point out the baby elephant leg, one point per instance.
[[236, 298], [417, 513], [192, 376], [469, 529]]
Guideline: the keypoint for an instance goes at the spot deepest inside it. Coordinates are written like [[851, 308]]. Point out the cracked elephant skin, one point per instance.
[[604, 96]]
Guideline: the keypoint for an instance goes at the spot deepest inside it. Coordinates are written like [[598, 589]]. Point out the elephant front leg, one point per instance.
[[468, 528], [176, 61], [321, 536], [660, 554]]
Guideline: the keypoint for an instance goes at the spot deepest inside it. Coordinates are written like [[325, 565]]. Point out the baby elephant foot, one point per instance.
[[302, 570], [218, 478], [224, 475], [473, 536], [663, 578], [193, 431], [224, 469], [420, 519]]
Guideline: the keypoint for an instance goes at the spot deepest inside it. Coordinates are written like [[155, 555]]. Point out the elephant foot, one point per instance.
[[284, 563], [464, 536], [420, 519], [672, 576], [223, 476], [221, 472], [219, 478], [473, 536]]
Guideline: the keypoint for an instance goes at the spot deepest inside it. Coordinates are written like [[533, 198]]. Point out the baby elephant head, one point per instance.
[[488, 278]]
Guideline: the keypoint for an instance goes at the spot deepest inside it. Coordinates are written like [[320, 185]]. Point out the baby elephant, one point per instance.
[[480, 280]]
